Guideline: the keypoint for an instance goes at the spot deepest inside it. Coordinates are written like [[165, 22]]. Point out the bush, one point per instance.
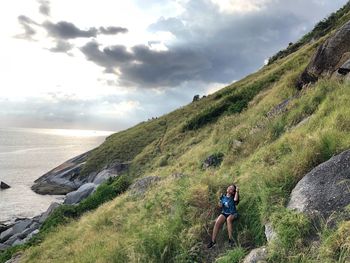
[[105, 192]]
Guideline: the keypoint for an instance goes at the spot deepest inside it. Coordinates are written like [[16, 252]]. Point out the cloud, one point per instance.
[[26, 23], [112, 30], [44, 7], [67, 30], [210, 43], [61, 46]]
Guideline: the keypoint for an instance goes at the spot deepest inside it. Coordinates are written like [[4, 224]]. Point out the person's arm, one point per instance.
[[220, 201], [236, 197]]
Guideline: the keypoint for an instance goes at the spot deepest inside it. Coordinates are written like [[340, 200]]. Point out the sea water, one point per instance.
[[26, 154]]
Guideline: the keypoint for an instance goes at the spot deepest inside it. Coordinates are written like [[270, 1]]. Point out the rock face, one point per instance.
[[76, 196], [329, 57], [213, 160], [270, 232], [142, 185], [256, 255], [4, 185], [63, 179], [325, 189]]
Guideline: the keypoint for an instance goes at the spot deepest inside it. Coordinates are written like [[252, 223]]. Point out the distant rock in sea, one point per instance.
[[4, 185]]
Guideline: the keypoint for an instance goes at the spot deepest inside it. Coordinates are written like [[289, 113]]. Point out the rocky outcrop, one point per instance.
[[270, 233], [63, 179], [213, 160], [83, 192], [258, 255], [329, 57], [4, 185], [325, 189], [140, 186], [66, 177], [22, 230]]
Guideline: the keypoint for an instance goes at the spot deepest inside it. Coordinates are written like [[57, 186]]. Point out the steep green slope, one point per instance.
[[267, 148]]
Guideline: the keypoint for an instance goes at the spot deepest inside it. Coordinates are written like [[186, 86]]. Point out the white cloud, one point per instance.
[[241, 6]]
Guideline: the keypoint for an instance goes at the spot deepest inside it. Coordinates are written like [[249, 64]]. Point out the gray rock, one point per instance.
[[3, 185], [325, 189], [329, 57], [177, 175], [104, 175], [213, 160], [142, 185], [15, 258], [256, 255], [345, 68], [12, 239], [20, 226], [3, 247], [80, 194], [48, 212], [278, 109], [62, 179], [270, 232], [6, 234]]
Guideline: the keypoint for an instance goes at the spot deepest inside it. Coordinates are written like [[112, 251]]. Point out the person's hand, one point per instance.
[[237, 190]]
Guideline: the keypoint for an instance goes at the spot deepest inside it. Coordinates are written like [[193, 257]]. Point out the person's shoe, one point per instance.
[[211, 244], [231, 242]]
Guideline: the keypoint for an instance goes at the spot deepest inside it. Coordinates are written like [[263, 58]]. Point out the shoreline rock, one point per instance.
[[4, 185]]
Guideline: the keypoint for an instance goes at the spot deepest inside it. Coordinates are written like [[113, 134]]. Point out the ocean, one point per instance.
[[26, 154]]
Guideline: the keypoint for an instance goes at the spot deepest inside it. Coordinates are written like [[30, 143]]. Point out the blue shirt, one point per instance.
[[228, 205]]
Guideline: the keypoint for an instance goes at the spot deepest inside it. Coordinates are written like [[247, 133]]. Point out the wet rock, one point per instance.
[[142, 185], [80, 194], [258, 255], [325, 189], [4, 185], [330, 56]]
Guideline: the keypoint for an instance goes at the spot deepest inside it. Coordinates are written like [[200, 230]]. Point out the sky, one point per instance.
[[109, 64]]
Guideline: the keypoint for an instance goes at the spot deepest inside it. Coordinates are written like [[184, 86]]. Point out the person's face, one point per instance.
[[230, 189]]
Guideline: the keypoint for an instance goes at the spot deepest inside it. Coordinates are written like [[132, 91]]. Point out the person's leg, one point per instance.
[[218, 223], [230, 226]]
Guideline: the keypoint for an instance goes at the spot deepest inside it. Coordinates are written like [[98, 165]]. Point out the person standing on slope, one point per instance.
[[229, 213]]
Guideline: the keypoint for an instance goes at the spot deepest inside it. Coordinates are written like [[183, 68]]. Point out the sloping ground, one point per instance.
[[267, 150]]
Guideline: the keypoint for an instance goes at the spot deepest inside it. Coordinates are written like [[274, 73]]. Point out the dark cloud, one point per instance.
[[67, 30], [112, 30], [26, 23], [44, 7], [210, 45], [62, 46]]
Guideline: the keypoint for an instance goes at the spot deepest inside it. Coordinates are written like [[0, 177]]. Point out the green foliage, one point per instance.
[[105, 192], [233, 256], [124, 146]]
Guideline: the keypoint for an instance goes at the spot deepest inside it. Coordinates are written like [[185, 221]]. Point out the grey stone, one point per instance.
[[328, 57], [104, 175], [3, 247], [278, 109], [4, 185], [140, 187], [256, 255], [12, 239], [6, 234], [15, 258], [21, 225], [80, 194], [325, 189], [345, 68], [62, 179], [177, 175], [48, 212], [270, 232]]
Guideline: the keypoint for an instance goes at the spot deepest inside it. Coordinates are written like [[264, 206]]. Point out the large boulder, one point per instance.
[[325, 189], [140, 186], [80, 194], [48, 212], [62, 179], [330, 56]]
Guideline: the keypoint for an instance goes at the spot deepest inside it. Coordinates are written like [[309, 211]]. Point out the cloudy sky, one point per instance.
[[110, 64]]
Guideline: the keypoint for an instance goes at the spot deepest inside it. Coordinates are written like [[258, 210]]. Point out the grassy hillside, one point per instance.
[[265, 151]]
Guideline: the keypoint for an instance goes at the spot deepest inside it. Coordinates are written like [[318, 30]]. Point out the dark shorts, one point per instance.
[[235, 215]]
